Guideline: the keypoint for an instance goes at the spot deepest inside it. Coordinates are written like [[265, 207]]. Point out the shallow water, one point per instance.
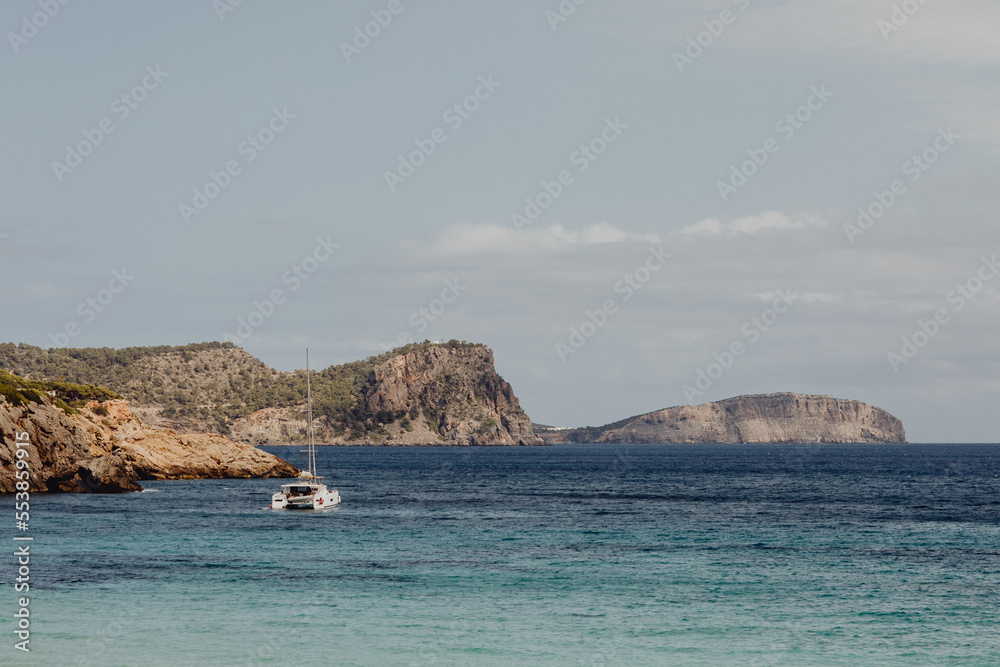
[[567, 555]]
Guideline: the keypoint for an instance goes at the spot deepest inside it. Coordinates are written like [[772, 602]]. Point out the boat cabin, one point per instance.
[[301, 490]]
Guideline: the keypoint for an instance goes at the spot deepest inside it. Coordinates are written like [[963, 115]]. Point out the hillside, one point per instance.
[[767, 418], [200, 387], [423, 393]]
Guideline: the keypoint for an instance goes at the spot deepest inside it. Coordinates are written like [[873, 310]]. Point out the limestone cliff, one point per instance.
[[432, 395], [768, 418], [108, 450]]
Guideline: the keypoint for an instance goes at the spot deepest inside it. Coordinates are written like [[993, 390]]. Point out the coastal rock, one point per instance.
[[423, 393], [271, 425], [435, 395], [107, 474], [105, 448], [167, 455], [767, 418], [58, 444], [458, 393]]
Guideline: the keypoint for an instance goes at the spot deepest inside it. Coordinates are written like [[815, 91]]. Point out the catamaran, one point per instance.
[[309, 493]]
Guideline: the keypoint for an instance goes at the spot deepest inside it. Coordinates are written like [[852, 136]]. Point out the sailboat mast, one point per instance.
[[312, 447]]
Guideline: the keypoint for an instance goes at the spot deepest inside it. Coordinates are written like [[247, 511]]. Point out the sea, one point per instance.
[[748, 555]]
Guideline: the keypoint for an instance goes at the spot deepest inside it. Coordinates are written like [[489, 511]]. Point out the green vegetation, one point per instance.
[[216, 383], [19, 390], [64, 406]]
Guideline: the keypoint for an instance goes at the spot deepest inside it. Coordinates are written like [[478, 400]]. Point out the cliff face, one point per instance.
[[435, 395], [108, 453], [422, 393], [458, 393], [769, 418]]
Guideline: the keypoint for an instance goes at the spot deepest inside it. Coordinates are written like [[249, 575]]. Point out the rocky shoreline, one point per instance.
[[105, 448]]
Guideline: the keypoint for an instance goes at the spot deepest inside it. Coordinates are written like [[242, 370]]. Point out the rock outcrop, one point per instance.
[[109, 450], [272, 425], [768, 418], [434, 395], [419, 394], [459, 394]]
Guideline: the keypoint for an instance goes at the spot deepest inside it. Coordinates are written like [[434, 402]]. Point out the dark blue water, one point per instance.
[[568, 555]]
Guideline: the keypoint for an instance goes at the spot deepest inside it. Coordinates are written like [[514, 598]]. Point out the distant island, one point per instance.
[[764, 418]]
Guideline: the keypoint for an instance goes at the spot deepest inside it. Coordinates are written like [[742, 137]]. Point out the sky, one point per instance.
[[635, 204]]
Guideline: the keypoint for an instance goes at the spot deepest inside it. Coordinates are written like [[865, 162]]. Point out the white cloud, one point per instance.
[[466, 238], [751, 224], [601, 232], [962, 31]]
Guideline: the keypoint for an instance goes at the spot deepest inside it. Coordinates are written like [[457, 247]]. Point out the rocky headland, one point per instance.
[[102, 447], [431, 395], [766, 418], [420, 394]]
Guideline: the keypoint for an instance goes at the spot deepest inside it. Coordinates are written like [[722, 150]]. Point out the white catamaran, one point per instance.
[[309, 493]]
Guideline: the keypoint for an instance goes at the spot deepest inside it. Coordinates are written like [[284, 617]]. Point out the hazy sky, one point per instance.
[[687, 177]]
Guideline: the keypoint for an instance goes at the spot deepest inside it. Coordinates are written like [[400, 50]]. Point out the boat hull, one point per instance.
[[316, 500]]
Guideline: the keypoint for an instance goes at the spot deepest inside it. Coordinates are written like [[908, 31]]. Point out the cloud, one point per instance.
[[961, 32], [601, 232], [468, 238], [942, 55], [751, 224]]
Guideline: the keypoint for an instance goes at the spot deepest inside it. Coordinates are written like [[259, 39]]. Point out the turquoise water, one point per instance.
[[568, 555]]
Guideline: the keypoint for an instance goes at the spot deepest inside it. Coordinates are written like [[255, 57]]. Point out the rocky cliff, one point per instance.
[[420, 394], [104, 448], [768, 418], [431, 395]]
